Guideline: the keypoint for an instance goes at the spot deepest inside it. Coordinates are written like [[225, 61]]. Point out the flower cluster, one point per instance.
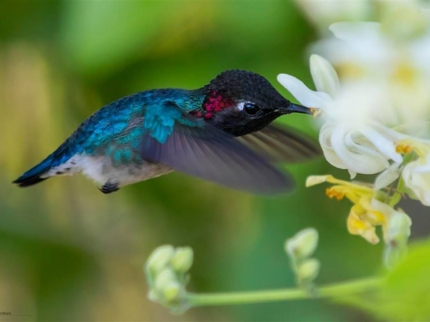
[[373, 104], [167, 274]]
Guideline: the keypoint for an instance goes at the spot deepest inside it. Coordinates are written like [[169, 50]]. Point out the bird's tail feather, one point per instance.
[[35, 174]]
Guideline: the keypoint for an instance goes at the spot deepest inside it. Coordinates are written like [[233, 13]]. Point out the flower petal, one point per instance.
[[425, 167], [384, 145], [359, 44], [302, 93], [324, 75], [355, 157], [352, 31], [417, 181], [314, 180], [325, 142], [357, 226], [419, 51], [388, 176]]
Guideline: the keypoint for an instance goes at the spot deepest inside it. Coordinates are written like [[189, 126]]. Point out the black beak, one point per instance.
[[295, 108]]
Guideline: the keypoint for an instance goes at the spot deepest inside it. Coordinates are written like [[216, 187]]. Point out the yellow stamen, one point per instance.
[[315, 111], [332, 192], [403, 148], [420, 147]]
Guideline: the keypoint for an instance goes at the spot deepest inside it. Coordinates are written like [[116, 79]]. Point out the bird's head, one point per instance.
[[240, 102]]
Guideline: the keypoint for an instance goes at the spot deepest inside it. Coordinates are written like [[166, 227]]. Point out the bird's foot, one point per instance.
[[109, 187]]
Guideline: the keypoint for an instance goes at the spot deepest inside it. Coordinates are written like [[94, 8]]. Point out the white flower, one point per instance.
[[416, 173], [354, 135], [417, 178], [378, 48], [324, 12], [394, 56], [376, 111]]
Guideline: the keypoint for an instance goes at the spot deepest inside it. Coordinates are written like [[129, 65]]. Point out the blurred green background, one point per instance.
[[67, 251]]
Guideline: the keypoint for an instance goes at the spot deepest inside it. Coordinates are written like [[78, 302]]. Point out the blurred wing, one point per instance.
[[280, 144], [213, 155]]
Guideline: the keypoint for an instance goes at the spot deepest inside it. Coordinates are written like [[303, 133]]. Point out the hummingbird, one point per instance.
[[221, 132]]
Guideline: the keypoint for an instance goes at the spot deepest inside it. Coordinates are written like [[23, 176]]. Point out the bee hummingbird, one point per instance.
[[220, 132]]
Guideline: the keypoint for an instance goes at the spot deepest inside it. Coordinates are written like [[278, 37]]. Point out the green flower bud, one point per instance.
[[182, 260], [172, 292], [164, 279], [159, 259], [398, 229], [303, 244], [153, 296], [308, 270]]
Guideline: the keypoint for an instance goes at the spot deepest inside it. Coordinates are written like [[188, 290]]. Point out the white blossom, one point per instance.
[[354, 134], [393, 56], [417, 178]]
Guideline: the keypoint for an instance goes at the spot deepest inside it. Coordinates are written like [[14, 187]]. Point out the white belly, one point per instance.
[[101, 170]]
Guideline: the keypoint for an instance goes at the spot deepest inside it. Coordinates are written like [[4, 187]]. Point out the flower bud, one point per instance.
[[172, 292], [153, 296], [303, 244], [398, 229], [308, 270], [164, 279], [182, 260], [159, 259]]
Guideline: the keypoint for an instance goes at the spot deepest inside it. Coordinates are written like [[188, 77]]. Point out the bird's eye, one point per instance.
[[250, 108]]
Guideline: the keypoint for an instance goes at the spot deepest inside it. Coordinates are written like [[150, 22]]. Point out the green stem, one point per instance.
[[329, 291], [395, 199]]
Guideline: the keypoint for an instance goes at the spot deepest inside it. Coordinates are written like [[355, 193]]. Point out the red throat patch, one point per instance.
[[213, 104]]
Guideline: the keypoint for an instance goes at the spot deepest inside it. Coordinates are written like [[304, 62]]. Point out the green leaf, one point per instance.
[[405, 293]]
